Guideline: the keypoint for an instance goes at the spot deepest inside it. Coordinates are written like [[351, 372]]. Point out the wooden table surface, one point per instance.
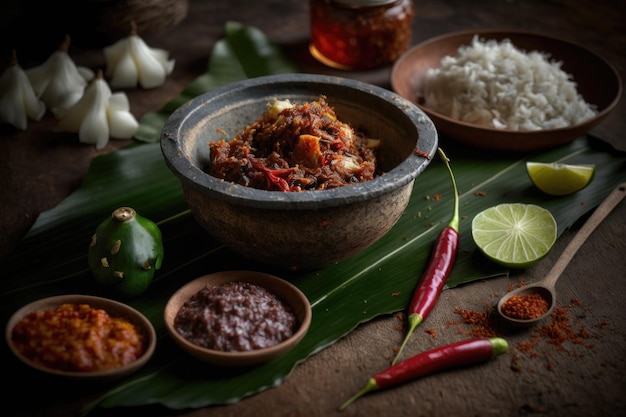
[[38, 171]]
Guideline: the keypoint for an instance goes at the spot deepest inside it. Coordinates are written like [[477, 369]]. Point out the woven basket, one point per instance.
[[105, 21]]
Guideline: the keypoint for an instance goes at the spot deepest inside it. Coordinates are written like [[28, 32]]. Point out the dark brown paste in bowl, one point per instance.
[[295, 147], [235, 317]]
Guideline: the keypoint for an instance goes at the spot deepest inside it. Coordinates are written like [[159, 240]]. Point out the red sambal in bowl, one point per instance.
[[295, 147]]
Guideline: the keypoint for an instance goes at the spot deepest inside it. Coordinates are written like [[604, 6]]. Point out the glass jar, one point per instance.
[[360, 34]]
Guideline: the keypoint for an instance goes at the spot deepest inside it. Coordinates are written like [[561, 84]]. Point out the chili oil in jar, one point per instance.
[[360, 34]]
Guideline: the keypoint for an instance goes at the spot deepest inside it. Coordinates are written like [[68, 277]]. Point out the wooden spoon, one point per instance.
[[546, 287]]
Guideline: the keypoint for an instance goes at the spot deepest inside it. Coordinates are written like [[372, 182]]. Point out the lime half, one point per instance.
[[560, 179], [514, 235]]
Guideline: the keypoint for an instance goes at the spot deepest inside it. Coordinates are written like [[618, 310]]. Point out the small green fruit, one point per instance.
[[125, 252]]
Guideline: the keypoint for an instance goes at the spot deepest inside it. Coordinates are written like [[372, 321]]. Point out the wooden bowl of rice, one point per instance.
[[527, 127]]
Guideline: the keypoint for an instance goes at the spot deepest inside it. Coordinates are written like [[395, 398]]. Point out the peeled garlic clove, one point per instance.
[[99, 115], [87, 117], [131, 61], [94, 128], [124, 74], [18, 101], [151, 67], [58, 81], [122, 123]]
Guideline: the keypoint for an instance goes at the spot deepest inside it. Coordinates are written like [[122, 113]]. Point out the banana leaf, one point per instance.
[[52, 257]]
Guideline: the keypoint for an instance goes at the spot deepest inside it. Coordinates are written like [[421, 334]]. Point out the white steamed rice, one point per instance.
[[495, 84]]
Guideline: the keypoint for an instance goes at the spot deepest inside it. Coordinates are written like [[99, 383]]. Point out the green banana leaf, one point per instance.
[[52, 258]]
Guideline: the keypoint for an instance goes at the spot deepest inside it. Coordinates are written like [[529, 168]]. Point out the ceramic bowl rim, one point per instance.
[[278, 286], [113, 308], [402, 174]]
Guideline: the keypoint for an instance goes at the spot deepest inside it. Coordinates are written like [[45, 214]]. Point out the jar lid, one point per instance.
[[363, 3]]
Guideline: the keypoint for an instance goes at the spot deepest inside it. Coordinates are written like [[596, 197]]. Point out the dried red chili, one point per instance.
[[437, 271], [463, 353]]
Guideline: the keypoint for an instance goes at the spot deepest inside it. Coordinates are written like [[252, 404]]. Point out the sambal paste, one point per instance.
[[77, 338], [295, 147]]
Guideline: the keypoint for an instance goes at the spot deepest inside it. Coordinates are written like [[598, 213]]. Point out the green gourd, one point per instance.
[[125, 252]]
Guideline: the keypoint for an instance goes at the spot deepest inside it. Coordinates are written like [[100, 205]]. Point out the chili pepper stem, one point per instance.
[[414, 320], [454, 222], [370, 386], [500, 346]]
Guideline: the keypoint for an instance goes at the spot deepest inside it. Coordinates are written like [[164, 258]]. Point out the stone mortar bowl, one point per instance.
[[309, 229]]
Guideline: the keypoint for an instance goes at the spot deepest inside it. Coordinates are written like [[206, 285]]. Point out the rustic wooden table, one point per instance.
[[585, 379]]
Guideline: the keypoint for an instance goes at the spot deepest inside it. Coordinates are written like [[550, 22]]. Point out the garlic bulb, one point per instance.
[[130, 61], [18, 101], [58, 81], [99, 115]]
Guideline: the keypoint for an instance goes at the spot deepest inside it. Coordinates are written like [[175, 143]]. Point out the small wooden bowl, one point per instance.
[[114, 309], [597, 81], [286, 291]]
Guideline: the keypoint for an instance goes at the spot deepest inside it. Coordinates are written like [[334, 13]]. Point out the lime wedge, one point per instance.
[[514, 235], [560, 179]]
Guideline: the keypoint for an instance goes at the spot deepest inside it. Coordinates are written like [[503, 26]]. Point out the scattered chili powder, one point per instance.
[[529, 346], [431, 332], [520, 284], [421, 153], [602, 325], [515, 363], [480, 322], [401, 318], [558, 332], [525, 306]]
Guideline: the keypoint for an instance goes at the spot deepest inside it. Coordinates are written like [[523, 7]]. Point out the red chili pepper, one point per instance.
[[464, 353], [437, 271]]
